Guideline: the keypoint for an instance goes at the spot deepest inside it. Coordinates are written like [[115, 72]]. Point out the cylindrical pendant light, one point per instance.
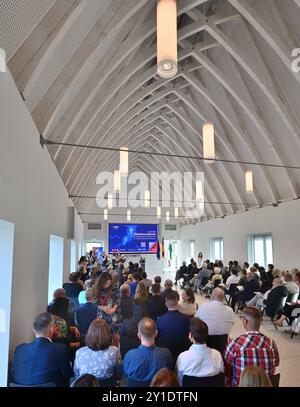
[[109, 201], [176, 212], [105, 214], [208, 134], [249, 181], [166, 38], [147, 199], [128, 215], [158, 212], [167, 216], [124, 161], [117, 181]]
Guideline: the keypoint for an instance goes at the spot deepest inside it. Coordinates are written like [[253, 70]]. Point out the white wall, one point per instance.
[[34, 198], [283, 222]]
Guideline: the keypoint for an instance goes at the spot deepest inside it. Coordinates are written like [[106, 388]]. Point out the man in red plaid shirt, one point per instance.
[[250, 349]]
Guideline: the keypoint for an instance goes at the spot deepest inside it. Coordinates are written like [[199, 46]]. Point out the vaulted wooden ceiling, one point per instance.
[[87, 71]]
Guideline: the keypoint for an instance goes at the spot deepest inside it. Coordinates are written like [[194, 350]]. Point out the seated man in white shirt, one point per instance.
[[218, 316], [199, 360]]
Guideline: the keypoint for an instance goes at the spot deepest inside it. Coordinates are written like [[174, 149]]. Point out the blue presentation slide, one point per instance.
[[133, 238]]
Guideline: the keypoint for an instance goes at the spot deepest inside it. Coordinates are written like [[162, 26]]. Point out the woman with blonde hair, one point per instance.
[[254, 376]]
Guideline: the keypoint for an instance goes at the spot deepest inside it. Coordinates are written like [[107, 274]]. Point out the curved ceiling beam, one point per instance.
[[269, 35], [107, 67]]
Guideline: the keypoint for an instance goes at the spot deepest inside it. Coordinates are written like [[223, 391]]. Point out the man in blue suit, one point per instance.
[[42, 361], [86, 313]]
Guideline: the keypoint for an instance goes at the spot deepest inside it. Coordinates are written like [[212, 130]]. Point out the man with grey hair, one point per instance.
[[142, 363], [218, 316], [42, 361], [203, 273]]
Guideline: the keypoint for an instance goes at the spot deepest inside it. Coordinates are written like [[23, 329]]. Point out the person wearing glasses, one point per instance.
[[251, 349]]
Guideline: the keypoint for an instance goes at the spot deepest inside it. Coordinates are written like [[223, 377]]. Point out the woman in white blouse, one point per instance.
[[188, 305], [98, 358]]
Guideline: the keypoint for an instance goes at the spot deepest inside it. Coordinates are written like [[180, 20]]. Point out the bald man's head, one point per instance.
[[217, 295], [58, 293]]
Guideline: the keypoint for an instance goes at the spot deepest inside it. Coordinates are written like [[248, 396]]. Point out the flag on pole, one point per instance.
[[158, 250], [163, 248]]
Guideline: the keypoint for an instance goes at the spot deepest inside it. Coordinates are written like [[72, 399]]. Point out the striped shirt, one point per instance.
[[250, 349]]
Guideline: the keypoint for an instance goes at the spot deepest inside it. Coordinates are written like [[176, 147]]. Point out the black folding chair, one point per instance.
[[231, 291], [218, 342], [175, 345], [213, 381]]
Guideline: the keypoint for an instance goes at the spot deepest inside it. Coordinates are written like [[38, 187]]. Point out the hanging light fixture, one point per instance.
[[124, 161], [176, 212], [166, 38], [167, 216], [147, 199], [109, 201], [208, 135], [158, 212], [128, 215], [249, 181], [117, 181], [105, 214]]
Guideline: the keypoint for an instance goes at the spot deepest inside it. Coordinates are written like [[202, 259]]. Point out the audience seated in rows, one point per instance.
[[73, 288], [199, 360], [126, 302], [155, 305], [254, 376], [165, 378], [141, 364], [42, 361], [187, 305], [218, 316], [247, 291], [251, 348], [86, 380], [168, 289], [86, 313], [173, 324], [98, 357]]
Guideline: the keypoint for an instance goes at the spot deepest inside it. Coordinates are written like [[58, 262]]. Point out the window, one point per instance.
[[260, 249], [192, 249], [6, 260], [73, 256], [216, 248], [56, 264]]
